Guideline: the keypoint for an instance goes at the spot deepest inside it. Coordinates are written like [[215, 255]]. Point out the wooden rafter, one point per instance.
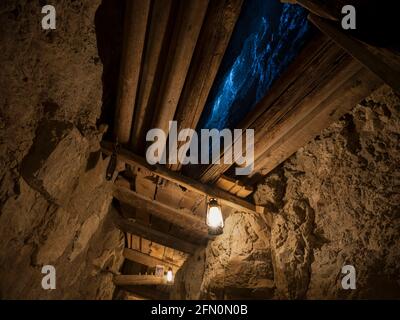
[[139, 280], [135, 26], [297, 103], [214, 38], [147, 260], [318, 7], [304, 128], [182, 217], [185, 35], [384, 63], [148, 292], [186, 182], [149, 84], [131, 226], [234, 186]]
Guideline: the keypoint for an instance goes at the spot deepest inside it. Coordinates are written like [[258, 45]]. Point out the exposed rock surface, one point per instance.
[[237, 261], [54, 198], [335, 202]]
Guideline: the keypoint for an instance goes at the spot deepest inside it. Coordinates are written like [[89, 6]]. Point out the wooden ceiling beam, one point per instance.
[[214, 38], [312, 62], [300, 105], [156, 38], [224, 197], [135, 26], [318, 7], [234, 186], [383, 62], [182, 217], [147, 260], [131, 226], [289, 140], [139, 280], [148, 292], [283, 126], [184, 38]]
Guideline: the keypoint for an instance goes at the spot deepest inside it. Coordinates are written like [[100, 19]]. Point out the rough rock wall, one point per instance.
[[236, 262], [54, 198], [335, 202]]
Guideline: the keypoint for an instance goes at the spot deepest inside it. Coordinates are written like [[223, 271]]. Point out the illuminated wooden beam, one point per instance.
[[384, 63], [184, 38], [157, 35], [131, 226], [139, 280], [182, 217], [224, 197], [318, 7], [214, 38], [318, 117], [135, 26], [147, 260], [300, 105], [148, 292]]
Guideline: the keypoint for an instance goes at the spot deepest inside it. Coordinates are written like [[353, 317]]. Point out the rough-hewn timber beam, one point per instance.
[[148, 292], [214, 38], [297, 108], [317, 7], [360, 85], [383, 62], [302, 76], [145, 259], [310, 116], [185, 34], [139, 280], [182, 217], [224, 197], [136, 17], [157, 34], [129, 225]]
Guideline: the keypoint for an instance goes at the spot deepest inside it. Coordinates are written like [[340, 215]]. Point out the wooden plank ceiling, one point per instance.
[[171, 55]]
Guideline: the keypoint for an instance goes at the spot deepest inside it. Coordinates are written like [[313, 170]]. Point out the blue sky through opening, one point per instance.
[[267, 37]]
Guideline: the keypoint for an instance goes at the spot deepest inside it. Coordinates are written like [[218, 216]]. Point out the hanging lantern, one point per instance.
[[215, 220], [170, 275]]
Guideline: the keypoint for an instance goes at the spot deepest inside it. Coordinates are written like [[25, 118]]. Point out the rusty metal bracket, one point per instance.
[[112, 165]]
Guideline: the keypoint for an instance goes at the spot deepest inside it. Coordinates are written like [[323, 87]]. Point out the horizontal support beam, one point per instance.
[[224, 197], [139, 280], [145, 259], [180, 217], [127, 225], [234, 186], [317, 7], [383, 62], [148, 292]]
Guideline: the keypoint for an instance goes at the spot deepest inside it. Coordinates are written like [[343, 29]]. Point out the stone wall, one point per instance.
[[335, 202], [54, 198]]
